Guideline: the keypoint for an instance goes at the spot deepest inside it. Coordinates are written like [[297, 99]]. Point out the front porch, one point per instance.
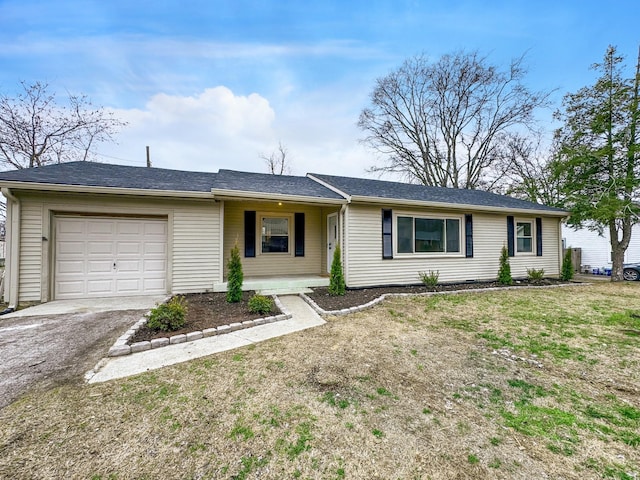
[[279, 285]]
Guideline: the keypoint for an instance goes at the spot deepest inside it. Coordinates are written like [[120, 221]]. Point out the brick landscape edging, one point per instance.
[[122, 346], [375, 301]]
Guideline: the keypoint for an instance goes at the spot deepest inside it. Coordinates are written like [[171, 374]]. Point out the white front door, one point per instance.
[[103, 257], [332, 237]]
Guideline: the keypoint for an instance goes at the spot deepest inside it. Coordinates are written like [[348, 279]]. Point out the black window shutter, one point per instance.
[[468, 234], [387, 239], [249, 233], [538, 236], [511, 235], [299, 234]]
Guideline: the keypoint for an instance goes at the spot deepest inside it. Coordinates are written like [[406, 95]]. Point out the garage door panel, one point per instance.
[[99, 287], [129, 228], [73, 288], [71, 248], [100, 227], [155, 249], [129, 285], [100, 248], [154, 266], [72, 266], [71, 227], [129, 266], [99, 266], [156, 286], [87, 248], [129, 248], [155, 228]]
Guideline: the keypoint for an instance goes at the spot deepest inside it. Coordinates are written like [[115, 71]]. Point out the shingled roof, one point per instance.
[[396, 191], [314, 186], [272, 184], [94, 174]]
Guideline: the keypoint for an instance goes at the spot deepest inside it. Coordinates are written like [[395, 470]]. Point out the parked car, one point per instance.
[[631, 271]]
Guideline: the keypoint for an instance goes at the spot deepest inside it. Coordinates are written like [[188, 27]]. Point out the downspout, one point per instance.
[[562, 221], [343, 241], [13, 264]]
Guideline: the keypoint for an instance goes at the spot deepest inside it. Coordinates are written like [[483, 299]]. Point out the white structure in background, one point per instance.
[[596, 249]]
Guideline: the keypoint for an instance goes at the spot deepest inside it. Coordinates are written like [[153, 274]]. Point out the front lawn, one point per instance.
[[510, 384]]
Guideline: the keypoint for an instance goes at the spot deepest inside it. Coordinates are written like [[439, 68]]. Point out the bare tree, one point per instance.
[[524, 170], [278, 163], [35, 130], [441, 123]]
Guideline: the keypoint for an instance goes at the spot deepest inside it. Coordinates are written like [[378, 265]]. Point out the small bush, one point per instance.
[[260, 304], [235, 277], [169, 316], [504, 273], [336, 280], [566, 273], [535, 275], [430, 279]]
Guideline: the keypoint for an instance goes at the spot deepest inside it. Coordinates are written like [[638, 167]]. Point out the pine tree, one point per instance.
[[336, 279], [599, 155], [504, 273], [567, 266], [235, 276]]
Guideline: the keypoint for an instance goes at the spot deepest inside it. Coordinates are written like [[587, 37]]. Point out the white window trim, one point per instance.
[[419, 255], [259, 217], [533, 237]]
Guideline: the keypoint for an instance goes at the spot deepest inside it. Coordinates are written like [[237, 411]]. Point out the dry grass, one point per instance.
[[514, 384]]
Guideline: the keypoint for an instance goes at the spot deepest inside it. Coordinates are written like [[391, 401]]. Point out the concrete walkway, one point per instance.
[[303, 317]]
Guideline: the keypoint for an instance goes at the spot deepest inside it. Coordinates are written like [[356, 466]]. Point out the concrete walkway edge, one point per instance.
[[302, 317]]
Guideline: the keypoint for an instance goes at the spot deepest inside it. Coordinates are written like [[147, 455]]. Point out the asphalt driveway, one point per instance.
[[58, 342]]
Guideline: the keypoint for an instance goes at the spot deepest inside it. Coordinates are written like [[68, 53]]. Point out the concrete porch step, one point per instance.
[[284, 291], [294, 284]]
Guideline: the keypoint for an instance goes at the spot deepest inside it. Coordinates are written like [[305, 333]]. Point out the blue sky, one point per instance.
[[215, 84]]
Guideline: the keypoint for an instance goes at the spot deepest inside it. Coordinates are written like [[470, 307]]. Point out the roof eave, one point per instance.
[[96, 189], [456, 206], [223, 194]]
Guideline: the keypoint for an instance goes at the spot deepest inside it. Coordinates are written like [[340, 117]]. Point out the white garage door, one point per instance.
[[102, 257]]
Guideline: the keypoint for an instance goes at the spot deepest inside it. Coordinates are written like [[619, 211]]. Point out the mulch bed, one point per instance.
[[210, 310], [360, 296], [207, 310]]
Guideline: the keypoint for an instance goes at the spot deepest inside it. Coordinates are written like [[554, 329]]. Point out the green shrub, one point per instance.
[[260, 304], [566, 273], [336, 280], [168, 316], [535, 275], [235, 276], [430, 279], [504, 273]]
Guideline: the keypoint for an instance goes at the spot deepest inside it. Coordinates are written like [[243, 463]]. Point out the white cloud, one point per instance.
[[202, 132], [217, 129]]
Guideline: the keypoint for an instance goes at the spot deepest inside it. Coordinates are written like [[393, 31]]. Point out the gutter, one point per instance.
[[55, 187], [455, 206], [345, 249], [222, 194], [13, 265]]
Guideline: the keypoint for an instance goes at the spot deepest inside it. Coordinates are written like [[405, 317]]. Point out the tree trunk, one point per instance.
[[618, 248]]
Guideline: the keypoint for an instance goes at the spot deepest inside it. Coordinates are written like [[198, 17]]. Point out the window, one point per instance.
[[275, 235], [428, 235], [524, 237]]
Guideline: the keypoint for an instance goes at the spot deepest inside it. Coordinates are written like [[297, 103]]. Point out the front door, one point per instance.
[[332, 237]]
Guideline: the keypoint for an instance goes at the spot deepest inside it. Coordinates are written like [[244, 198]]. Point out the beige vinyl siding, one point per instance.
[[196, 248], [550, 259], [31, 246], [193, 241], [275, 264], [365, 266]]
